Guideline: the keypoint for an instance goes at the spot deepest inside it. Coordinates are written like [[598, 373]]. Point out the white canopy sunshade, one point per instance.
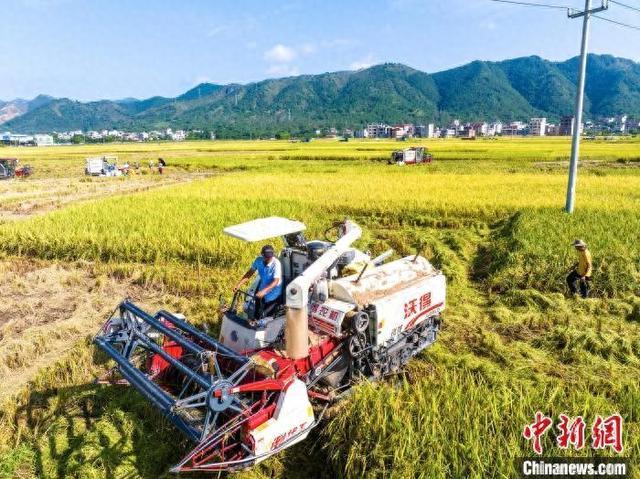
[[264, 228]]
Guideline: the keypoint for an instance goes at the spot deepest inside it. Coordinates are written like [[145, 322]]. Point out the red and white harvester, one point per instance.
[[265, 383]]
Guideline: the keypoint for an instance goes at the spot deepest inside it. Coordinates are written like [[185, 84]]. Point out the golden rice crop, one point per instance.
[[489, 213]]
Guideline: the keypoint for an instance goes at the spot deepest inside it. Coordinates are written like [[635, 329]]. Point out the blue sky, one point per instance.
[[90, 49]]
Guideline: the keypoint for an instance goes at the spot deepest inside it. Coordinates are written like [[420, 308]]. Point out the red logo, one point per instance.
[[414, 306], [571, 432], [410, 308], [425, 301], [535, 431], [280, 440], [605, 432]]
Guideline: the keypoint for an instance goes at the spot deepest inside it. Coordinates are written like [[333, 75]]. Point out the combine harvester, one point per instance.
[[9, 168], [102, 166], [265, 383], [411, 156]]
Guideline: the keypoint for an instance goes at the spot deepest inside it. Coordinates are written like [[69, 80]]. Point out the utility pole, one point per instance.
[[577, 122]]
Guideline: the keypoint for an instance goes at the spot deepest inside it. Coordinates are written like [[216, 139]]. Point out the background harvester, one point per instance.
[[411, 156], [10, 168], [103, 166], [264, 384]]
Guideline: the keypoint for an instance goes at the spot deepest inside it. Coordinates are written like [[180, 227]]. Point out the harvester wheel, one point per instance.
[[361, 322]]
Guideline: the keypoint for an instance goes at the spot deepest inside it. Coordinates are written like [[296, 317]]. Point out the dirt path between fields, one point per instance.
[[45, 309], [20, 199], [589, 164]]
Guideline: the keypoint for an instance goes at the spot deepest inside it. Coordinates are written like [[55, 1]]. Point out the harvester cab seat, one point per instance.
[[249, 303]]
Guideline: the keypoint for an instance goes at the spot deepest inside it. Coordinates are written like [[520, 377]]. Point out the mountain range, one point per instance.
[[515, 89]]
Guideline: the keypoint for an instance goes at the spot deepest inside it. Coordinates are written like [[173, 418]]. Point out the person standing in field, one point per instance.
[[580, 276], [161, 165]]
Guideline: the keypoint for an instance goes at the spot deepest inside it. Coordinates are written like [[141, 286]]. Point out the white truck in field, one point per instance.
[[102, 166]]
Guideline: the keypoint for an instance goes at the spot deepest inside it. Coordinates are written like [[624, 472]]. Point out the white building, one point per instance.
[[567, 124], [538, 126], [481, 128], [405, 130], [14, 139], [43, 140], [494, 129], [361, 133], [425, 131], [514, 128], [378, 130], [180, 135], [621, 124], [431, 130], [448, 133]]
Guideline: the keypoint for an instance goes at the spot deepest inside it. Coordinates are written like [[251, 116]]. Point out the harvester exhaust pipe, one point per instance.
[[296, 330]]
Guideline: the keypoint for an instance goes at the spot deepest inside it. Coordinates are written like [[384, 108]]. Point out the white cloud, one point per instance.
[[280, 58], [307, 48], [365, 62], [280, 54], [283, 70]]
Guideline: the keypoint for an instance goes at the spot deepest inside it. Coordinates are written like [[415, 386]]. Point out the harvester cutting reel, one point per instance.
[[214, 395], [161, 352]]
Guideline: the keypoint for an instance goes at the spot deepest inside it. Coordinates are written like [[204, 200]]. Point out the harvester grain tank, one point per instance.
[[265, 383], [411, 156]]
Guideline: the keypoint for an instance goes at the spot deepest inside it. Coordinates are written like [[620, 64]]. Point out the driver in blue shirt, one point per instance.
[[270, 288]]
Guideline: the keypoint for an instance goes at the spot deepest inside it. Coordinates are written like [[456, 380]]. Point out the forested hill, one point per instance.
[[509, 90]]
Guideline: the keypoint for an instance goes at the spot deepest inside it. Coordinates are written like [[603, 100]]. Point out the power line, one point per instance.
[[633, 27], [532, 4], [625, 5]]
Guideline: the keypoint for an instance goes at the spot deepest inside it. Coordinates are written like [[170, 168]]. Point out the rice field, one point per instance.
[[488, 212]]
